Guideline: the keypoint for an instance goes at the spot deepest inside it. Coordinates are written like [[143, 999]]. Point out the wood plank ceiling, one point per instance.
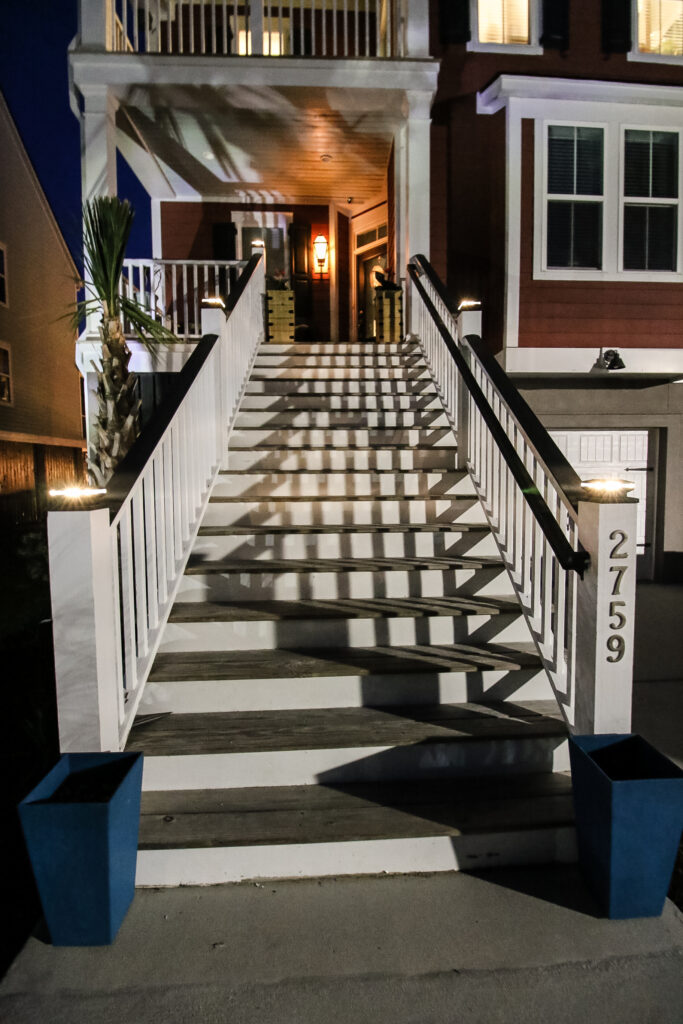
[[264, 144]]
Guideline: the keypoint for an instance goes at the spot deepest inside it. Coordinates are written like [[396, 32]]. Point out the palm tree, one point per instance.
[[107, 222]]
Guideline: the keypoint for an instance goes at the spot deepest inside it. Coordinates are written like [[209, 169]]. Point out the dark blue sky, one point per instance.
[[34, 79]]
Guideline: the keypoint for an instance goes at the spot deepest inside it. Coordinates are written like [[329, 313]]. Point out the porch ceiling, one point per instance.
[[262, 144]]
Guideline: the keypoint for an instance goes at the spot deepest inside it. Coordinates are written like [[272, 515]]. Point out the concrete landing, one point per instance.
[[514, 946]]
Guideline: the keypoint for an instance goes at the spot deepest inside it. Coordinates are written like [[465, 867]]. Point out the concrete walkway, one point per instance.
[[513, 946]]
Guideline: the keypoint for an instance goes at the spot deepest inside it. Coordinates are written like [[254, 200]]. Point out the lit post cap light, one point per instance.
[[607, 489], [214, 302], [77, 492], [468, 304]]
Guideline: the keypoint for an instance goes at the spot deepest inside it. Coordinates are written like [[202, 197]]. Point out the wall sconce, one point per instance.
[[320, 249], [609, 360]]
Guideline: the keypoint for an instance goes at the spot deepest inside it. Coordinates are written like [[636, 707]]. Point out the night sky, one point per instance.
[[34, 38]]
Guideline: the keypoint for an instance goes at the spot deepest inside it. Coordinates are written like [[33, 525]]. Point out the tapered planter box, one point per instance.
[[628, 800], [81, 828]]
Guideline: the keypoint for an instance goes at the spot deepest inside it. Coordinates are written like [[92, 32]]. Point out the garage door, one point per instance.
[[611, 453]]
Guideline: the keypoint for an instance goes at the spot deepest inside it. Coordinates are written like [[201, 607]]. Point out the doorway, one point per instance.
[[368, 264]]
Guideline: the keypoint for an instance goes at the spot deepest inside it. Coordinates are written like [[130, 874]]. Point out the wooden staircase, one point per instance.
[[346, 684]]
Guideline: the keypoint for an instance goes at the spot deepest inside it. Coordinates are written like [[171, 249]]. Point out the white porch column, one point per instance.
[[98, 153], [412, 161], [98, 142]]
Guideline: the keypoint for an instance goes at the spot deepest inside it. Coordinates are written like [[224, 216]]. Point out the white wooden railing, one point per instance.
[[311, 28], [572, 560], [172, 290], [115, 566]]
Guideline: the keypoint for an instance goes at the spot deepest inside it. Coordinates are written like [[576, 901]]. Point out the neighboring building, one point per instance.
[[41, 436], [531, 149]]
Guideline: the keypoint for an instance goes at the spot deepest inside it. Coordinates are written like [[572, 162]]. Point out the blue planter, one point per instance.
[[628, 800], [81, 829]]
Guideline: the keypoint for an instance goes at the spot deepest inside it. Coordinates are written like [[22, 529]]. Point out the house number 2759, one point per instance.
[[616, 644]]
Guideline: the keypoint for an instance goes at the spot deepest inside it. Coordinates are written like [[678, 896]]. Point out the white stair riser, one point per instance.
[[339, 348], [364, 512], [341, 360], [342, 438], [383, 420], [345, 545], [327, 586], [350, 485], [350, 386], [342, 460], [389, 632], [355, 764], [340, 373], [196, 696], [339, 403], [216, 865]]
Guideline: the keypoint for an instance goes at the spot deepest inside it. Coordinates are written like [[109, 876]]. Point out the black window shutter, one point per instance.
[[616, 26], [454, 21], [555, 25]]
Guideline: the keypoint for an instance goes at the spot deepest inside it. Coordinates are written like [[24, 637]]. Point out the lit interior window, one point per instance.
[[271, 44], [660, 27], [503, 21]]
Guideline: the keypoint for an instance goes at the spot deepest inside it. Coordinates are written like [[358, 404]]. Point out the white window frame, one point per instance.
[[8, 349], [3, 247], [531, 48], [613, 204], [640, 55], [646, 275]]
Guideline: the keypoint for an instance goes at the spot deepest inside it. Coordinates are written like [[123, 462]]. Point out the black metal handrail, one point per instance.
[[564, 552], [564, 476], [126, 474]]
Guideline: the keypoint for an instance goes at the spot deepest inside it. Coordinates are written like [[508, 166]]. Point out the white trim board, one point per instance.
[[558, 361]]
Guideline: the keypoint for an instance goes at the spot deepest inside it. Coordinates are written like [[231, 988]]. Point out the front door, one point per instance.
[[367, 266]]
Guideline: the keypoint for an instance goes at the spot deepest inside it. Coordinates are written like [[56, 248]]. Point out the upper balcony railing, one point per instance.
[[387, 29]]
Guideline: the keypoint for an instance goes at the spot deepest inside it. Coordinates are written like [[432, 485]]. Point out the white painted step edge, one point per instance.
[[216, 865]]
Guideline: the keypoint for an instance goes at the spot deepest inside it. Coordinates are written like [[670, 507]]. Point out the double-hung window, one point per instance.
[[4, 301], [574, 219], [608, 205], [651, 206], [659, 28], [6, 396]]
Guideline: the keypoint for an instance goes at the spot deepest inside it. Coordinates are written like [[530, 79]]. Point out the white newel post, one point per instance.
[[84, 627], [256, 26], [605, 617], [416, 30], [94, 24]]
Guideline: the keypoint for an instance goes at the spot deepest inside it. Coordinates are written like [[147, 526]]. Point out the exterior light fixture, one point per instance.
[[213, 302], [468, 304], [320, 249], [77, 492], [607, 488]]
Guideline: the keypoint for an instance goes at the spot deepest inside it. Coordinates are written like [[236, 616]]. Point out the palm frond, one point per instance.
[[107, 222], [149, 331]]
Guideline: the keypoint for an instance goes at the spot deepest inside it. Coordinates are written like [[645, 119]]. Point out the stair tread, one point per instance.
[[422, 660], [352, 812], [229, 732], [406, 563], [339, 608], [220, 531]]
